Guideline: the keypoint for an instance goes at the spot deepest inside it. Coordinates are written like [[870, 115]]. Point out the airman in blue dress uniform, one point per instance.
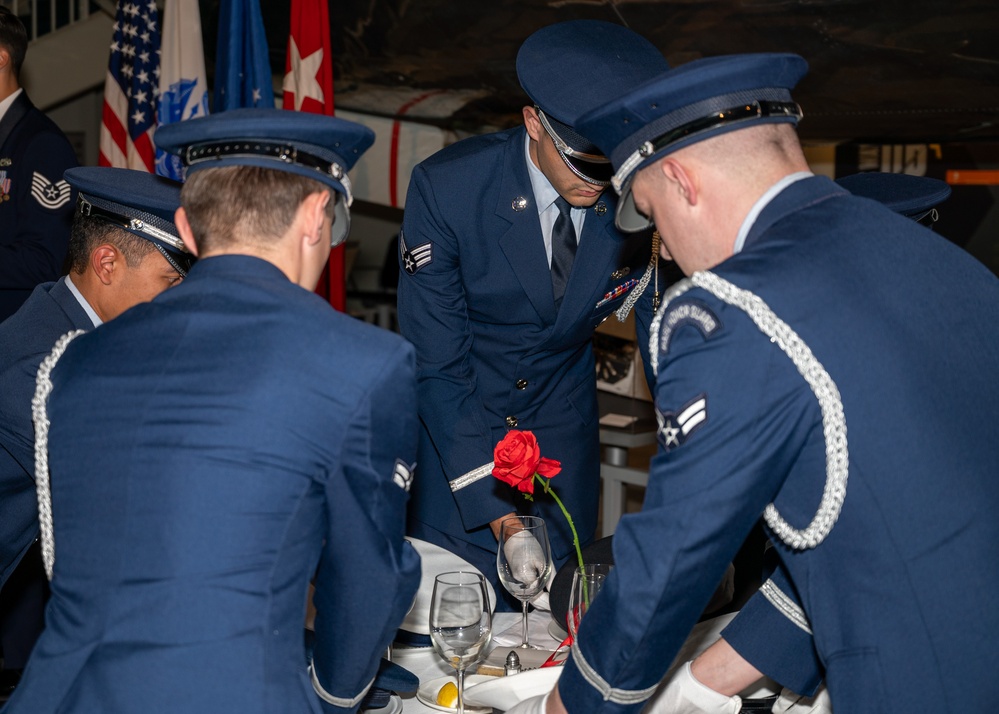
[[502, 325], [214, 450], [124, 249], [36, 202], [828, 364], [771, 635]]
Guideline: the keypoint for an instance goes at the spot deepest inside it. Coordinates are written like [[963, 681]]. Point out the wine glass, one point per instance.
[[586, 583], [523, 560], [461, 622]]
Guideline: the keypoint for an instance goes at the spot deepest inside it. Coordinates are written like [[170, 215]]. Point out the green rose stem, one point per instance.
[[545, 484]]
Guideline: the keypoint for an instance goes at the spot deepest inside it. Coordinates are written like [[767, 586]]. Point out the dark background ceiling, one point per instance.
[[916, 70]]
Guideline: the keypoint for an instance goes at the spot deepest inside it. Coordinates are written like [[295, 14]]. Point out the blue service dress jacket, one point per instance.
[[26, 338], [493, 353], [772, 633], [843, 368], [36, 202], [208, 451]]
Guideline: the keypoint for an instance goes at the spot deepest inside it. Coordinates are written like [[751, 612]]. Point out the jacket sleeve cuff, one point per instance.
[[773, 634], [341, 702], [473, 476], [582, 688]]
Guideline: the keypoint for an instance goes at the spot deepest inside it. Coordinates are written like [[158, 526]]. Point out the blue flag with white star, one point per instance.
[[183, 82], [242, 67]]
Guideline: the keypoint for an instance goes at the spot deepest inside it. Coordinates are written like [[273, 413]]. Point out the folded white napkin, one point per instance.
[[502, 693]]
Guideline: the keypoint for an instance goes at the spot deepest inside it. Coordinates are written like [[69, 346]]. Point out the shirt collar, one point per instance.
[[771, 194], [5, 104], [83, 303], [544, 193]]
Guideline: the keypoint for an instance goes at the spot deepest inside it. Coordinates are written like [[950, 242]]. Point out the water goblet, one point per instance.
[[586, 583], [523, 560], [460, 622]]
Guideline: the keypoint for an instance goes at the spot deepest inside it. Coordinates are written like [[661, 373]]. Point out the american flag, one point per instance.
[[131, 88]]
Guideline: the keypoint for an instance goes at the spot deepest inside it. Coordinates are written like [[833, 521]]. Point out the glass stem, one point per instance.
[[461, 691], [525, 643]]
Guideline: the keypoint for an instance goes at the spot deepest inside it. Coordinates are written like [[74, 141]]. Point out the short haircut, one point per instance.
[[13, 38], [245, 204], [89, 232]]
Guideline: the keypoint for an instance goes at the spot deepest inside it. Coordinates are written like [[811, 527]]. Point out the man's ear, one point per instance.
[[104, 261], [680, 179], [184, 229], [532, 123], [5, 59], [314, 214]]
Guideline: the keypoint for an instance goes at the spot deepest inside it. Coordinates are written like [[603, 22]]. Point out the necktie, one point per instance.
[[563, 249]]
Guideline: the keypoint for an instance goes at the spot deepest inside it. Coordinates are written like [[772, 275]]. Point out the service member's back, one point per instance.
[[210, 450]]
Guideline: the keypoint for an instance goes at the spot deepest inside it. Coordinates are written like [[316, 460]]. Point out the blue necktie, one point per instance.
[[563, 249]]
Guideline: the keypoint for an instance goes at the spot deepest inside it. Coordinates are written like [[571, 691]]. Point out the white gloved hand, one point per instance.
[[790, 703], [527, 559], [532, 705], [683, 694]]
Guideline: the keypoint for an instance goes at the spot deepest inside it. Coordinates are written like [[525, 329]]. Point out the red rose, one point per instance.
[[517, 458]]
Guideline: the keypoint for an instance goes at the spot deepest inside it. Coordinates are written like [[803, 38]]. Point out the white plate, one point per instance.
[[505, 692], [427, 693], [394, 706]]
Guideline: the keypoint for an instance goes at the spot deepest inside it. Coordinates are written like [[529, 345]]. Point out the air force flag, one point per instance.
[[183, 83]]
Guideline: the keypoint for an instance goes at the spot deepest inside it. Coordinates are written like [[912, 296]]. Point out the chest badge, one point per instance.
[[519, 204], [620, 273], [4, 186], [600, 208]]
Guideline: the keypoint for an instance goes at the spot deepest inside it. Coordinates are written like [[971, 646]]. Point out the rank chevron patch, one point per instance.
[[49, 194], [676, 427], [403, 475], [415, 258]]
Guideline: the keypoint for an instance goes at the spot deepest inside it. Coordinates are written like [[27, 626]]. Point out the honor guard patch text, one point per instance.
[[688, 312]]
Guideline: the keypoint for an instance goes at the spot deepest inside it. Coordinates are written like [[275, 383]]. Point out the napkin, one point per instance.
[[504, 692]]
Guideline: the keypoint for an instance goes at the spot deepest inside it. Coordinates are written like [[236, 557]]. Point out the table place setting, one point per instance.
[[470, 660]]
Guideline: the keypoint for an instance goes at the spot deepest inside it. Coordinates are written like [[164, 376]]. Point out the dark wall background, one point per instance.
[[883, 72]]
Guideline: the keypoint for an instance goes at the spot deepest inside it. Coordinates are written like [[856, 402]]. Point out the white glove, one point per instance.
[[790, 703], [532, 705], [527, 559], [683, 694]]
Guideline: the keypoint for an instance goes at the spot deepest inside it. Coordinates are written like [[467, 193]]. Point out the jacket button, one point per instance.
[[511, 421], [521, 384]]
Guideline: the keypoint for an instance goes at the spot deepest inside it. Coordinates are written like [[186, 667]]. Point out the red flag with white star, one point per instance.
[[308, 87]]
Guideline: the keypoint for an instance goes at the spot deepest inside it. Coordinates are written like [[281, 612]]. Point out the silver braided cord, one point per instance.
[[636, 292], [818, 379], [43, 388]]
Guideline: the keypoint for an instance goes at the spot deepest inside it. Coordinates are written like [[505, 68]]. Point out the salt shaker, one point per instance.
[[512, 663]]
